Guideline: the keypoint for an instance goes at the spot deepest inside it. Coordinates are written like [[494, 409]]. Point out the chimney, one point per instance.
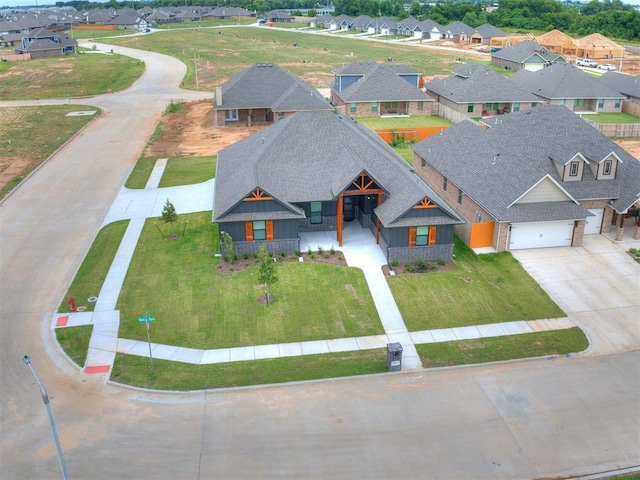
[[218, 96]]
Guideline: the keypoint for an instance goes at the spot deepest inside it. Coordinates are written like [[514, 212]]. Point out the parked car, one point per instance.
[[607, 66], [585, 62]]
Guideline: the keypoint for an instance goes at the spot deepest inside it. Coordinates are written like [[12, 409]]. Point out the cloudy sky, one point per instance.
[[13, 3]]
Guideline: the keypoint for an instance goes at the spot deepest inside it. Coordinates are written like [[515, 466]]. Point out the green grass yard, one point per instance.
[[612, 118], [389, 123], [482, 289], [196, 306]]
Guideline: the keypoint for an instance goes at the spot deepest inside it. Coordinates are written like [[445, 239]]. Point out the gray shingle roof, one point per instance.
[[474, 83], [496, 166], [563, 81], [489, 31], [382, 83], [363, 68], [457, 27], [621, 82], [523, 51], [313, 156], [265, 85]]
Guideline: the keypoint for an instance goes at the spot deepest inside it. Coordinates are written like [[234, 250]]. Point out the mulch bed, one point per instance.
[[411, 269], [336, 258]]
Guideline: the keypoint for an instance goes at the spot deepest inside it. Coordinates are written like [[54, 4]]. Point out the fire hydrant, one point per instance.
[[72, 304]]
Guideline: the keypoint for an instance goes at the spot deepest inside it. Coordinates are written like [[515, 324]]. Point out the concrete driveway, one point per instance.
[[597, 285]]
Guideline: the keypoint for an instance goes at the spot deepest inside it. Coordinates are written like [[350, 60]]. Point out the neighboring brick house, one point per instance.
[[371, 89], [565, 84], [537, 178], [483, 34], [475, 90], [627, 85], [527, 55], [313, 171], [41, 42], [458, 32], [264, 93]]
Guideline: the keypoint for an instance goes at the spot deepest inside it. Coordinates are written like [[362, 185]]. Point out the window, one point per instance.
[[516, 106], [231, 115], [600, 102], [316, 212], [374, 107], [470, 108], [353, 107], [424, 163], [460, 196], [578, 102], [607, 167], [444, 184], [573, 169], [280, 115], [563, 102], [420, 106], [422, 236], [259, 230], [534, 104], [618, 103]]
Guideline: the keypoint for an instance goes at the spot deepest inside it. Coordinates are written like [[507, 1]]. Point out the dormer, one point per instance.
[[607, 168], [573, 169]]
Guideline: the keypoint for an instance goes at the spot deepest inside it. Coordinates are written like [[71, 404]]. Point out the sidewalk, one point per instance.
[[359, 249]]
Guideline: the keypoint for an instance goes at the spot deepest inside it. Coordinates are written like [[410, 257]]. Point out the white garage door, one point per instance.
[[541, 234], [593, 224]]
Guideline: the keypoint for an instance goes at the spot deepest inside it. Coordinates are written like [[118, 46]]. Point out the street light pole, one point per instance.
[[54, 433]]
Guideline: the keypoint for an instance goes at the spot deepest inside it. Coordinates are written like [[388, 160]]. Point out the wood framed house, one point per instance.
[[536, 178], [264, 93], [598, 47], [558, 42], [314, 171], [565, 84], [371, 89], [475, 90], [527, 55]]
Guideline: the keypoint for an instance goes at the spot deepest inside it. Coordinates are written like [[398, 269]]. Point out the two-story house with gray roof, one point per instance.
[[565, 84], [527, 55], [371, 89], [536, 178], [476, 90], [314, 171], [264, 93], [41, 42]]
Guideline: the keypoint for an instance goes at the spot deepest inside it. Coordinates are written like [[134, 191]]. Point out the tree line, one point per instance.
[[611, 18]]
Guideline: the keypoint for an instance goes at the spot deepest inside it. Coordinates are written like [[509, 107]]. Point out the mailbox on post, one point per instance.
[[394, 357]]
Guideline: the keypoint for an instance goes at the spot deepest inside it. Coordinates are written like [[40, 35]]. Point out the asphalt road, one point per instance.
[[528, 419]]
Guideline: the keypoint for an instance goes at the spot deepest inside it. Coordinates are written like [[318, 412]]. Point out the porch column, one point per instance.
[[339, 215], [378, 221], [636, 230], [619, 227]]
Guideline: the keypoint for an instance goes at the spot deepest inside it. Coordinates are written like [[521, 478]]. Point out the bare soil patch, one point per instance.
[[336, 258], [190, 131]]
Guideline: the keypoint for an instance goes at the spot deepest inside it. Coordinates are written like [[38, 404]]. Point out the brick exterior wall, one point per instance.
[[607, 217], [328, 224], [363, 109], [413, 254], [288, 245]]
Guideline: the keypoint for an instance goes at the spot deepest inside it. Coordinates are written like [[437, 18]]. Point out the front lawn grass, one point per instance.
[[196, 306], [188, 170], [132, 370], [95, 266], [68, 76], [482, 289], [387, 123], [75, 342], [493, 349]]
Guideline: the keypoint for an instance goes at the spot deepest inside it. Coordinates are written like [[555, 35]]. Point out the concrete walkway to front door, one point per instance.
[[360, 250]]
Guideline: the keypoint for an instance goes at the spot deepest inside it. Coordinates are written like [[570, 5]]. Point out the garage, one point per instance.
[[594, 224], [541, 234]]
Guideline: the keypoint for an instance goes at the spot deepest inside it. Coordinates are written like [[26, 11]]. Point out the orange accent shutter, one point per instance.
[[412, 236], [248, 228], [432, 235], [269, 224]]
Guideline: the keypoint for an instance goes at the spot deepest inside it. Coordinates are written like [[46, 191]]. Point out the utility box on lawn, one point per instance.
[[394, 357]]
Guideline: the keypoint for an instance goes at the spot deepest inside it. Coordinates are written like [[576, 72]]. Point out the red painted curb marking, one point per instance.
[[98, 369], [62, 321]]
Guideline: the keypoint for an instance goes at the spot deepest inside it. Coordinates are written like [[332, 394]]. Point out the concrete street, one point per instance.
[[526, 419]]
